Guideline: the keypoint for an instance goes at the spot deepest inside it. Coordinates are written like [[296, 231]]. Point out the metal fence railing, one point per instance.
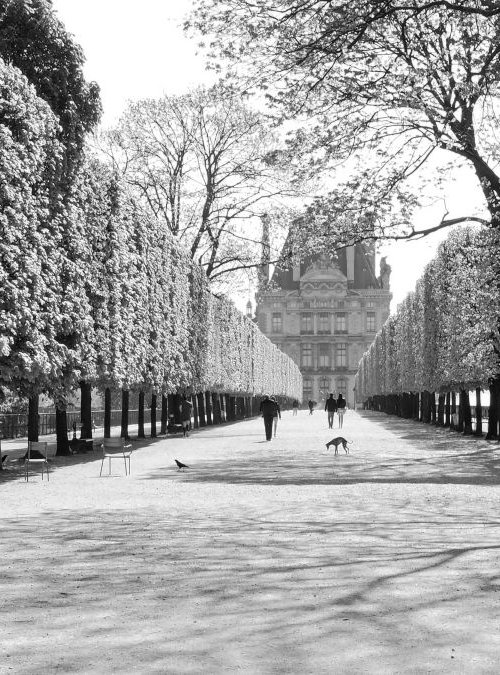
[[14, 425]]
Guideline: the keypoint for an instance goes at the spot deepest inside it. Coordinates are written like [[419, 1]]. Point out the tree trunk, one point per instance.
[[124, 420], [223, 413], [415, 406], [201, 409], [86, 409], [164, 414], [153, 415], [432, 403], [466, 412], [62, 430], [447, 421], [196, 419], [33, 418], [461, 411], [426, 407], [140, 416], [107, 412], [479, 414], [440, 410], [228, 406], [493, 410], [208, 407], [217, 415]]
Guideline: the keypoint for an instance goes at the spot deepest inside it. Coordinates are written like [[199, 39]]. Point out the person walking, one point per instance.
[[277, 415], [295, 406], [341, 403], [331, 408], [186, 407], [267, 410], [310, 403]]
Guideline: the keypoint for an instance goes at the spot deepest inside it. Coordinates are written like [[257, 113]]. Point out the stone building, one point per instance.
[[324, 313]]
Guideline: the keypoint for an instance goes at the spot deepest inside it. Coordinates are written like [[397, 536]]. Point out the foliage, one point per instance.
[[383, 92], [30, 355], [36, 42], [444, 335]]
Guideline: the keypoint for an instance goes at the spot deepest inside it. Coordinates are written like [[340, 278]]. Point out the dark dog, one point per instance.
[[340, 440]]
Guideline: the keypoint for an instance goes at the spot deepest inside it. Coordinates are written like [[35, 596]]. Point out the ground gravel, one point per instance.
[[261, 558]]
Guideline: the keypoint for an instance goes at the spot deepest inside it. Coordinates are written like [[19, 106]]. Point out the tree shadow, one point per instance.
[[173, 591]]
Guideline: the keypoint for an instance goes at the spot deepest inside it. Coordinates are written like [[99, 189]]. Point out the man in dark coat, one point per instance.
[[268, 411], [330, 407]]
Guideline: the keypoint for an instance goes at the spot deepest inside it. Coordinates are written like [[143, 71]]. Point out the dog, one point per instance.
[[340, 440]]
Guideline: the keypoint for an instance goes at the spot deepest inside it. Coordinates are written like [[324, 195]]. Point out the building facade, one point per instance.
[[324, 313]]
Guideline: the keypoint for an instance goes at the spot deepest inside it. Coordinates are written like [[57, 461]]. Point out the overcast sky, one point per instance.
[[138, 49]]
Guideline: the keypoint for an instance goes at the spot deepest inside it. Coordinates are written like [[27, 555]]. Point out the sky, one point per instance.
[[136, 50]]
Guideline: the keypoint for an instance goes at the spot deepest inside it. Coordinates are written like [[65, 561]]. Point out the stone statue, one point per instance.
[[385, 273]]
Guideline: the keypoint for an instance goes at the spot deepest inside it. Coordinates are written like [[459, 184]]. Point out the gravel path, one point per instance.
[[261, 558]]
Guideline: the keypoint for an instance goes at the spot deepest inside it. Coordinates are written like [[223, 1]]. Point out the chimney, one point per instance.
[[350, 265]]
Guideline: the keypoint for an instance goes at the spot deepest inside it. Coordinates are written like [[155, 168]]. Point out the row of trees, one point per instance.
[[443, 338], [94, 289]]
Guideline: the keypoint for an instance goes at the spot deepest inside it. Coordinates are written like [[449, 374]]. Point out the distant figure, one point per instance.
[[331, 408], [277, 415], [295, 406], [311, 406], [186, 406], [268, 411], [341, 403]]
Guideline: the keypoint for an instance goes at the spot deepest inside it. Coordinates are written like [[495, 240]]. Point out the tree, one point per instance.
[[201, 164], [30, 258], [385, 88], [36, 42]]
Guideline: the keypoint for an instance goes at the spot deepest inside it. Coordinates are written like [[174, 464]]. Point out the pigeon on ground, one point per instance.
[[181, 465]]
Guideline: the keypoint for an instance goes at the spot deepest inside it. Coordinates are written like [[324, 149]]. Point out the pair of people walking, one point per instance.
[[332, 406], [271, 412]]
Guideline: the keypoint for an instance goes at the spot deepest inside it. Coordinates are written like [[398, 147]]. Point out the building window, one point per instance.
[[324, 386], [306, 356], [306, 324], [370, 304], [277, 304], [263, 323], [341, 356], [307, 388], [323, 323], [341, 322], [342, 387], [324, 355], [277, 323], [370, 322]]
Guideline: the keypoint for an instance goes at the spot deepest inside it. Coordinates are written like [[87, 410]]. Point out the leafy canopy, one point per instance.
[[382, 90]]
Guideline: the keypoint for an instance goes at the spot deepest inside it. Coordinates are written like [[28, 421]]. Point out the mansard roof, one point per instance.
[[364, 274]]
